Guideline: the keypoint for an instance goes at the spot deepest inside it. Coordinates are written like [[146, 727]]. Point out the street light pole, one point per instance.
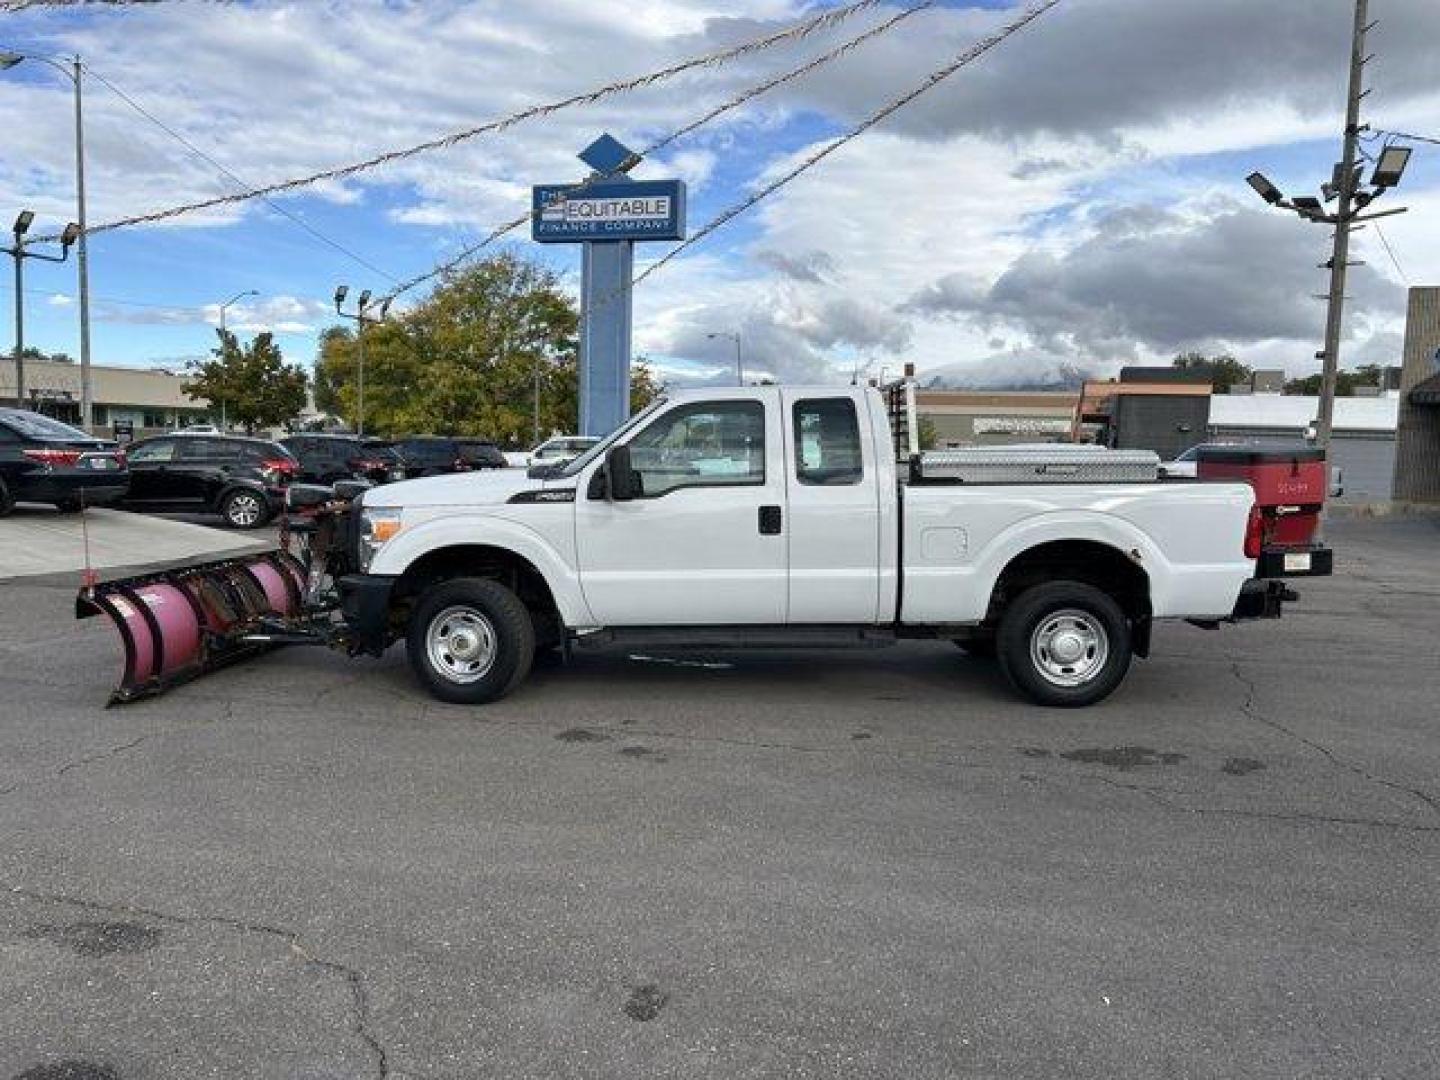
[[19, 253], [361, 316], [1340, 254], [72, 70], [739, 365], [1352, 198], [226, 304]]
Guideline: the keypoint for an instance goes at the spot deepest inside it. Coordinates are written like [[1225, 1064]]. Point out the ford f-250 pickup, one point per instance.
[[780, 516]]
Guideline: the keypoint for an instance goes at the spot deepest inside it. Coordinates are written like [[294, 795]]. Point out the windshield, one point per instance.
[[600, 447]]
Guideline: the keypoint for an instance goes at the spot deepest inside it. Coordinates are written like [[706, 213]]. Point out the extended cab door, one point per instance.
[[834, 503], [704, 544]]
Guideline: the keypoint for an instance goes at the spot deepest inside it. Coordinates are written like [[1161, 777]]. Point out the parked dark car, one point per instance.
[[429, 455], [481, 454], [241, 479], [45, 461], [325, 459]]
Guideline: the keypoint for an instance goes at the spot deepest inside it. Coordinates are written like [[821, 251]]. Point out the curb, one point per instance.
[[1385, 509]]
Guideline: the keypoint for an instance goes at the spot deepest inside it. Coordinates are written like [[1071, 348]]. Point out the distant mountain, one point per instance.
[[1008, 373]]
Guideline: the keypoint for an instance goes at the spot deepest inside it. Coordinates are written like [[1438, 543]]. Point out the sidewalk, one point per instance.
[[36, 542]]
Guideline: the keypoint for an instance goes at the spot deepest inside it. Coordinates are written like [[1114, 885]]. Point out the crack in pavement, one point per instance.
[[101, 756], [1157, 796], [1248, 708], [355, 980]]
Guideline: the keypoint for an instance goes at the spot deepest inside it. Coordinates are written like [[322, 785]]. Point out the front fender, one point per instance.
[[486, 529]]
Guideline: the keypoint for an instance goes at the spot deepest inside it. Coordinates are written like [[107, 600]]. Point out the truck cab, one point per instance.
[[771, 515]]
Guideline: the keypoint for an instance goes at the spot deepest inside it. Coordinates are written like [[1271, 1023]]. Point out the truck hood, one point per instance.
[[481, 488]]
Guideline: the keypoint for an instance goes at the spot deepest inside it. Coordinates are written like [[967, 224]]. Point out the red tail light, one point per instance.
[[51, 458], [284, 466], [369, 465], [1254, 533]]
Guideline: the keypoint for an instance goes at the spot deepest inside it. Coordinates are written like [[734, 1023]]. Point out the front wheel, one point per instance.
[[471, 641], [1064, 643], [244, 509]]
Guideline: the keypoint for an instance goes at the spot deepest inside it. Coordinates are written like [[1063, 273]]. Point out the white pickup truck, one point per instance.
[[778, 516]]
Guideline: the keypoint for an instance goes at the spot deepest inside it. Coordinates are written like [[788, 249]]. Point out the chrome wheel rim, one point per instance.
[[461, 644], [1069, 647], [244, 509]]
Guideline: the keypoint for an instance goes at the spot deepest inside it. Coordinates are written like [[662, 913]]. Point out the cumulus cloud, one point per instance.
[[1161, 280]]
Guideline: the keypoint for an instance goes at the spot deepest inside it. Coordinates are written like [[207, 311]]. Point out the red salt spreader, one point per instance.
[[1290, 483]]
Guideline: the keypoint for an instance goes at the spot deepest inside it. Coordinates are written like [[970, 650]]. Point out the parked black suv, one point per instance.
[[45, 461], [481, 454], [243, 480], [325, 459]]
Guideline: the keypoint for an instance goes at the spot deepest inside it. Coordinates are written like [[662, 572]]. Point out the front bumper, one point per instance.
[[1262, 599], [365, 604]]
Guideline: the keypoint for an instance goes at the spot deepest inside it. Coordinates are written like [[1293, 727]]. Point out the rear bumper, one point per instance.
[[98, 487], [1262, 599], [1310, 561], [365, 604]]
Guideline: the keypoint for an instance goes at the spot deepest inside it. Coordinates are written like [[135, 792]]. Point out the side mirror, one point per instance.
[[621, 483]]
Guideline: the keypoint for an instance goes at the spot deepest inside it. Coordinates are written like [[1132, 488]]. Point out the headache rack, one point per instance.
[[1047, 463]]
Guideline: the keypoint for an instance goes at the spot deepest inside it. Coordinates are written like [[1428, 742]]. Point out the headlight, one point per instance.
[[376, 527]]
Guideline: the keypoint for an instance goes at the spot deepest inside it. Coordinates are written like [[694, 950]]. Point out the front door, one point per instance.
[[705, 542]]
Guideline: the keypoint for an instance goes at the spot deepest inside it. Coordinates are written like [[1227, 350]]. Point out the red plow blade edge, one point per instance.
[[180, 623]]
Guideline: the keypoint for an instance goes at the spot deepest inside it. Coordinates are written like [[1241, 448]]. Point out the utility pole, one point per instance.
[[361, 315], [19, 253], [1340, 254], [82, 258], [1351, 198]]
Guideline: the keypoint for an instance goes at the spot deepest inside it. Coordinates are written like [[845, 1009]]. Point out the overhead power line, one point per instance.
[[733, 103], [1404, 135], [936, 77], [795, 32], [243, 184]]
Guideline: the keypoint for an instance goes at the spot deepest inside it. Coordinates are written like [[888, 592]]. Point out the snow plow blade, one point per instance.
[[177, 624]]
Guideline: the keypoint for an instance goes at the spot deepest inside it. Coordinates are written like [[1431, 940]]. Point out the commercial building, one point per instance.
[[996, 418], [1163, 409], [1417, 442], [148, 399]]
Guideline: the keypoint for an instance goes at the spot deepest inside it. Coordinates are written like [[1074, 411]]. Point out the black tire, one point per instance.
[[7, 501], [68, 506], [471, 608], [1064, 643], [244, 509], [982, 647]]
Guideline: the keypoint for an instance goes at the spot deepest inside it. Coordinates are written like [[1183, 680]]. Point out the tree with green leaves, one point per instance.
[[468, 360], [1225, 370], [252, 383], [1345, 381]]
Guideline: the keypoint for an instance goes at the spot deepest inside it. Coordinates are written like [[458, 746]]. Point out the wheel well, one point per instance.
[[481, 560], [1094, 563]]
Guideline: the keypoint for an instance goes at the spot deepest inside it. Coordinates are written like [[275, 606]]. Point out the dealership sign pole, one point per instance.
[[606, 215]]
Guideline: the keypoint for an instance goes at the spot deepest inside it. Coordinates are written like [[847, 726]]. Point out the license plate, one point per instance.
[[396, 474], [103, 463], [1297, 563]]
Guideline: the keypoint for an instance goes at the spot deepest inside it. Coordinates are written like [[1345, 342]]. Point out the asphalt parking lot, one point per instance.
[[800, 865]]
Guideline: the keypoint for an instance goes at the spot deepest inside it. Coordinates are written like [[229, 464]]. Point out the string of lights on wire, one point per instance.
[[794, 32], [733, 103]]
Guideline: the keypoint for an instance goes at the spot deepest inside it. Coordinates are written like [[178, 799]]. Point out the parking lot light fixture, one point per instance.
[[1264, 188], [341, 291], [739, 365], [1390, 167], [22, 222]]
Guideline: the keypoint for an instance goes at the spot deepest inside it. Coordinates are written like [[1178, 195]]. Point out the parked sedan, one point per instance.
[[325, 459], [45, 461], [241, 479]]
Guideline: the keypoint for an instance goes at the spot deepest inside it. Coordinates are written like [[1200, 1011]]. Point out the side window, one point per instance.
[[8, 434], [708, 444], [827, 442], [152, 453]]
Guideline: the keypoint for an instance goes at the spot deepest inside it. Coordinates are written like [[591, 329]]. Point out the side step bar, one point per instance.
[[739, 637]]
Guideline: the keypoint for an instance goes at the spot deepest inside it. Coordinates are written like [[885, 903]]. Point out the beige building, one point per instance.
[[149, 399], [1417, 440], [996, 418]]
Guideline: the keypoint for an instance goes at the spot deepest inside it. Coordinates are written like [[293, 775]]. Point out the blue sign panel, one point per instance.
[[619, 210]]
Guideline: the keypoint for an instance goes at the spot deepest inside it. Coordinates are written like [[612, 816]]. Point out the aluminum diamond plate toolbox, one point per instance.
[[1059, 464]]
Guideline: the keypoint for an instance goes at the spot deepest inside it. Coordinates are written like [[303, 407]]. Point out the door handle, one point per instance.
[[770, 521]]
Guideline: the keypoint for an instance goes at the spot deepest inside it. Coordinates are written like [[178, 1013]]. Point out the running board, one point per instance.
[[739, 637]]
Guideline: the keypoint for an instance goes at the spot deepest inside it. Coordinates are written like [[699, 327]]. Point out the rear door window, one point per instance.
[[827, 442], [152, 453]]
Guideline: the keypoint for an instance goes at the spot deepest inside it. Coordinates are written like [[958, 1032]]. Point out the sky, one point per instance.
[[1072, 200]]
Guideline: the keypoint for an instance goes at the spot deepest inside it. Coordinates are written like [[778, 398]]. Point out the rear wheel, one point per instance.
[[1064, 643], [7, 501], [68, 506], [244, 509], [471, 641]]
